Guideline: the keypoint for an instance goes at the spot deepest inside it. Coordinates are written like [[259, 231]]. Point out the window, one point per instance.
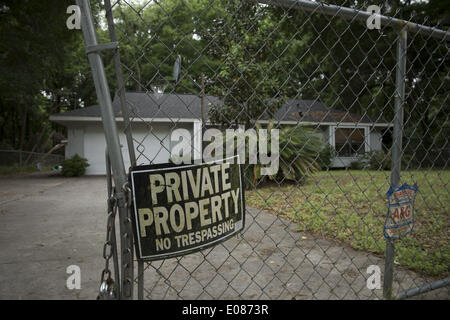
[[349, 142]]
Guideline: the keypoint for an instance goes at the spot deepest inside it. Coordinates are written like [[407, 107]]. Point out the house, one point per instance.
[[349, 134], [166, 112], [154, 117]]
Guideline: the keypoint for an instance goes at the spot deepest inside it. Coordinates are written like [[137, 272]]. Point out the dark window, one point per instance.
[[349, 142]]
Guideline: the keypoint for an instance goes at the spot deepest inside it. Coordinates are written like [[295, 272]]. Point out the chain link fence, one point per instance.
[[25, 159], [362, 103]]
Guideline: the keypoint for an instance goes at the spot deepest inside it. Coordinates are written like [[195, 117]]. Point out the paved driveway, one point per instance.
[[48, 223]]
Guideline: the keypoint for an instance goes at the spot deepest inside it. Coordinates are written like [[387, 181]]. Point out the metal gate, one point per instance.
[[361, 101]]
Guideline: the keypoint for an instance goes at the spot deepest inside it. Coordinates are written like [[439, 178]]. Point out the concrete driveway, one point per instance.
[[48, 223]]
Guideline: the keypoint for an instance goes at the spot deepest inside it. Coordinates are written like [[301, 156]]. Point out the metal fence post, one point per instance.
[[121, 85], [113, 145], [126, 122], [396, 150]]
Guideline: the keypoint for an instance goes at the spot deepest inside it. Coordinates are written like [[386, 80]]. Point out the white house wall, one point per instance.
[[88, 141], [375, 139], [373, 143], [154, 145], [75, 142]]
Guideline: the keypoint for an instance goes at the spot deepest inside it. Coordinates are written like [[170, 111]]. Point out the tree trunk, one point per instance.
[[42, 145], [24, 115], [14, 129], [39, 137], [138, 83]]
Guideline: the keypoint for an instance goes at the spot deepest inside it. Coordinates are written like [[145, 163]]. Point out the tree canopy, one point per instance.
[[253, 56]]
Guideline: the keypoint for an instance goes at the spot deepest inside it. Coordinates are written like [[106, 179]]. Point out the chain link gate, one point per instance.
[[377, 96]]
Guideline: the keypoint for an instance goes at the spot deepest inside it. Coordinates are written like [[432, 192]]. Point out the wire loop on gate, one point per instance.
[[112, 200], [127, 190], [127, 281], [127, 287], [107, 250], [126, 187]]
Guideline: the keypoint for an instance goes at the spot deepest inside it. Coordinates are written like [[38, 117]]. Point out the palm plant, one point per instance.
[[299, 149]]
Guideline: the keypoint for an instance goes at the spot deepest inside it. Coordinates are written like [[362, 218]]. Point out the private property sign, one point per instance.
[[180, 209]]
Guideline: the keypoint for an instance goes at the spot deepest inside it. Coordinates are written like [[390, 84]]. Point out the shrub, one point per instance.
[[356, 165], [299, 149], [325, 156], [378, 160], [74, 167]]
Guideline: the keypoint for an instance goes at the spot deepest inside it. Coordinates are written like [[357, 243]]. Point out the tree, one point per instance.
[[248, 79], [44, 70], [153, 37]]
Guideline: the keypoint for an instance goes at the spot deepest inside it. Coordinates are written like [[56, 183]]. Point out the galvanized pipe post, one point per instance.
[[354, 14], [121, 85], [396, 150], [113, 145], [126, 121]]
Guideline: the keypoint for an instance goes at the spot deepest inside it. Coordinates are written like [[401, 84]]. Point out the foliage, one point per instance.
[[74, 167], [247, 79], [252, 56], [420, 153], [299, 148], [378, 160], [301, 154], [356, 165], [16, 169], [44, 71], [326, 156], [164, 30], [355, 213]]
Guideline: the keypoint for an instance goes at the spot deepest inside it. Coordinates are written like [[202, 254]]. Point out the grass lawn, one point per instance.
[[350, 206], [6, 170], [15, 169]]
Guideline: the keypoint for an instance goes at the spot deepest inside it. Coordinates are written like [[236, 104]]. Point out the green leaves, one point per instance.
[[74, 167], [153, 37], [299, 150]]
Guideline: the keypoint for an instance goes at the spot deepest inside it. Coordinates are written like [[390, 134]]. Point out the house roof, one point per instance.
[[187, 107], [149, 105], [316, 112]]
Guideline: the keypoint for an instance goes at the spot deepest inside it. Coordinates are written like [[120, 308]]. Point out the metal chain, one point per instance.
[[108, 290]]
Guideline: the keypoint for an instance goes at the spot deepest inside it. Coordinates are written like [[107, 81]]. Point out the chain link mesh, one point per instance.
[[311, 234]]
